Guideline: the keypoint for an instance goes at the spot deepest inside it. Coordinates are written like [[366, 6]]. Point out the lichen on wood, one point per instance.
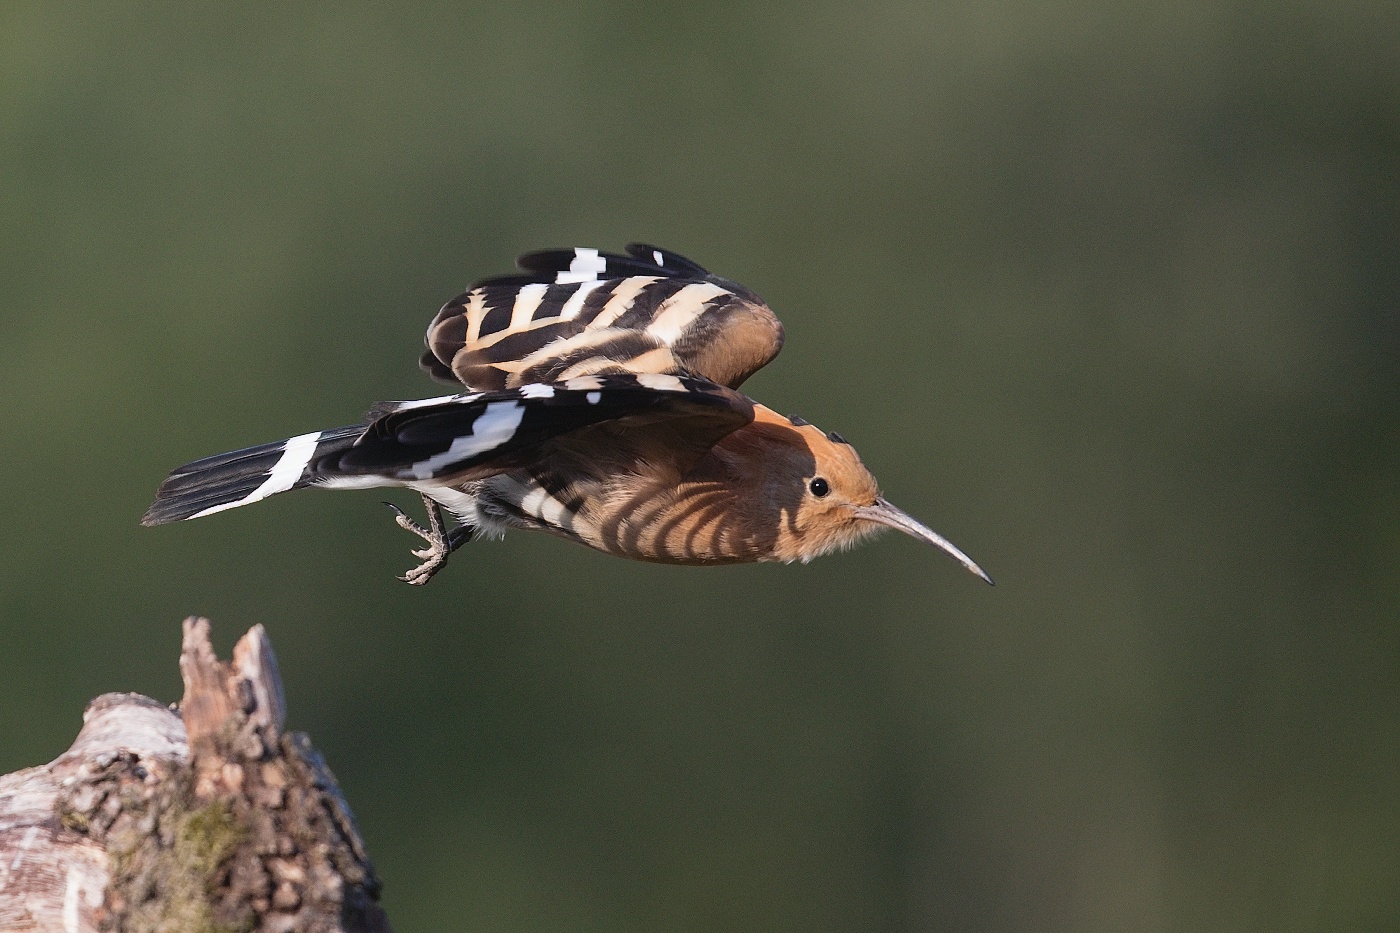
[[212, 821]]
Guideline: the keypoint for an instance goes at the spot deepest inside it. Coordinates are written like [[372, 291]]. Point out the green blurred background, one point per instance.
[[1107, 293]]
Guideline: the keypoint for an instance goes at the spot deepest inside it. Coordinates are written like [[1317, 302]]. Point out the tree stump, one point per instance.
[[205, 818]]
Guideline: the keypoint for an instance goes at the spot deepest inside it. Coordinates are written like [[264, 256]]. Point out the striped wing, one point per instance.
[[479, 434], [464, 438], [580, 312]]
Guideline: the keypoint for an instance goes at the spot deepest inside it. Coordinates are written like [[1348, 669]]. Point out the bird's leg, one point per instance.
[[441, 541]]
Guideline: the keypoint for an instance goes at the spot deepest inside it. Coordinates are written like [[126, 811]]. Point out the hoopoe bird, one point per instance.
[[601, 406]]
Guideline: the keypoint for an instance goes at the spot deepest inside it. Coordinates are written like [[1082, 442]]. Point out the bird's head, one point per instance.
[[830, 500]]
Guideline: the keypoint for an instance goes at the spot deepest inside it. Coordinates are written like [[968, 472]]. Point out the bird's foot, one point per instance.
[[441, 541]]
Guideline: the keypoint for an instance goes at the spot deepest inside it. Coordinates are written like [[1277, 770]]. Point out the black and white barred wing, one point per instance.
[[476, 435], [455, 438], [577, 312]]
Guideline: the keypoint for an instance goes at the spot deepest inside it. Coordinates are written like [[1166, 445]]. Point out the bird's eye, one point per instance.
[[819, 487]]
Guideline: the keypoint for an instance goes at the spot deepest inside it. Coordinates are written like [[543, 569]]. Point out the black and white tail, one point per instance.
[[241, 477]]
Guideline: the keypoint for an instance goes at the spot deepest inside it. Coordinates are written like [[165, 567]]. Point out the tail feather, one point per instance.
[[240, 477]]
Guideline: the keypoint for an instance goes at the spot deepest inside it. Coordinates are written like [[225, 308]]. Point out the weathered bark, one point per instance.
[[209, 820]]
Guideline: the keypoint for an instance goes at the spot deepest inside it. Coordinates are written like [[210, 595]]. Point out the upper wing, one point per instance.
[[578, 311], [479, 434]]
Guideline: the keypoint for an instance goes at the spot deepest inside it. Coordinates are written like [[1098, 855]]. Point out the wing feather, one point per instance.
[[581, 311], [475, 435]]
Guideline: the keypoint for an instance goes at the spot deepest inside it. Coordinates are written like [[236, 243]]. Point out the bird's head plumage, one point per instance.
[[826, 496]]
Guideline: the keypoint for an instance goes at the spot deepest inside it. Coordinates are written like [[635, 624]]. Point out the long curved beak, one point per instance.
[[885, 514]]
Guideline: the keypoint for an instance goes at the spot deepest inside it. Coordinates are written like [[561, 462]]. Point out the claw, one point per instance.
[[441, 541], [407, 524]]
